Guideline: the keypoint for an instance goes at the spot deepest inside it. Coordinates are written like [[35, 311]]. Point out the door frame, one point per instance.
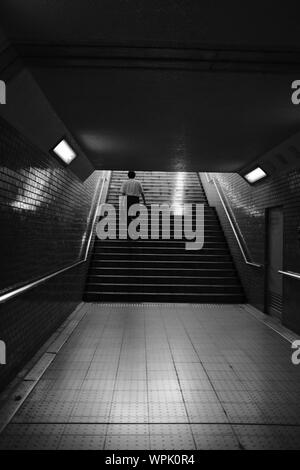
[[266, 254], [266, 259]]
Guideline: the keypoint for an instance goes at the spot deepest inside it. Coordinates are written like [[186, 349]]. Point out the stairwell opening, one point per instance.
[[162, 270]]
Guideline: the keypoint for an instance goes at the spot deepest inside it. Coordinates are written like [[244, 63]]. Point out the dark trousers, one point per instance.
[[130, 201]]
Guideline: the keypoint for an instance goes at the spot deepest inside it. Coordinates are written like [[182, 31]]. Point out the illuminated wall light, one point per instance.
[[65, 152], [255, 175]]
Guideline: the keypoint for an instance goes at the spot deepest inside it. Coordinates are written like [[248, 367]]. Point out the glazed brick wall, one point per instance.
[[45, 215], [27, 321], [44, 211], [249, 204]]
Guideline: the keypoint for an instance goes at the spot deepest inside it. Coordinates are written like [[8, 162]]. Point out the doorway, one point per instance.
[[274, 261]]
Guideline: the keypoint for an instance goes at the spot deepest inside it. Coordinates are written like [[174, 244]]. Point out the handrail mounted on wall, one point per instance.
[[26, 287], [244, 255]]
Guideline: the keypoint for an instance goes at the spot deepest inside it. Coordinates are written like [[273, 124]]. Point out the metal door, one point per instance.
[[275, 261]]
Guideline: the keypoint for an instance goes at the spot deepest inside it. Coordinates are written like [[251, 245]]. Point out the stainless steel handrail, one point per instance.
[[106, 180], [247, 261], [20, 290], [290, 274]]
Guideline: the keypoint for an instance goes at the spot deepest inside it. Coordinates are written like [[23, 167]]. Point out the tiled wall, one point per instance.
[[249, 204], [45, 212]]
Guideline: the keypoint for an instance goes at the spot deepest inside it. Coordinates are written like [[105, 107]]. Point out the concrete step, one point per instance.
[[185, 255], [206, 250], [159, 279], [159, 271], [214, 298], [166, 264], [162, 288]]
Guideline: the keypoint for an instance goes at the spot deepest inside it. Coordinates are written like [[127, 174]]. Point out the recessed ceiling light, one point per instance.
[[65, 152], [255, 175]]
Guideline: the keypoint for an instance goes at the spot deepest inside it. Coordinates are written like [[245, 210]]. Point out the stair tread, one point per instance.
[[164, 277], [219, 294], [166, 261], [168, 269], [164, 285]]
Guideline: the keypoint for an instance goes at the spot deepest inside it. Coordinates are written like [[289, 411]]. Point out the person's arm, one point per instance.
[[122, 190], [142, 193]]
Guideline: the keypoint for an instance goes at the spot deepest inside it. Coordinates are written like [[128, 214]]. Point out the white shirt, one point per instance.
[[132, 187]]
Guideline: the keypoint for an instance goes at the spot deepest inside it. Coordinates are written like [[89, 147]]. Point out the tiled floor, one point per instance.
[[167, 376]]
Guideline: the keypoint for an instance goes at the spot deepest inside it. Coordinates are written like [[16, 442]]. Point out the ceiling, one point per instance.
[[252, 23], [164, 85]]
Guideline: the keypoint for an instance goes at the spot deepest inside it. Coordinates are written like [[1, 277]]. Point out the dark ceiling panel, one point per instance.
[[232, 22], [201, 58], [159, 119]]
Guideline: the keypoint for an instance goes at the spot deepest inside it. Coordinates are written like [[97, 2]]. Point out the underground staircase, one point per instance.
[[163, 270]]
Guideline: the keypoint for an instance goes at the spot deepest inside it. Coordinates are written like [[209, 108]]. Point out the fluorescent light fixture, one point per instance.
[[64, 151], [255, 175]]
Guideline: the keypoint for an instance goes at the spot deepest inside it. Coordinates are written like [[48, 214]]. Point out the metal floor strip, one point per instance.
[[267, 320]]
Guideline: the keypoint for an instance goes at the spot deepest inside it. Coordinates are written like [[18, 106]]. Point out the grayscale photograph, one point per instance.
[[150, 230]]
